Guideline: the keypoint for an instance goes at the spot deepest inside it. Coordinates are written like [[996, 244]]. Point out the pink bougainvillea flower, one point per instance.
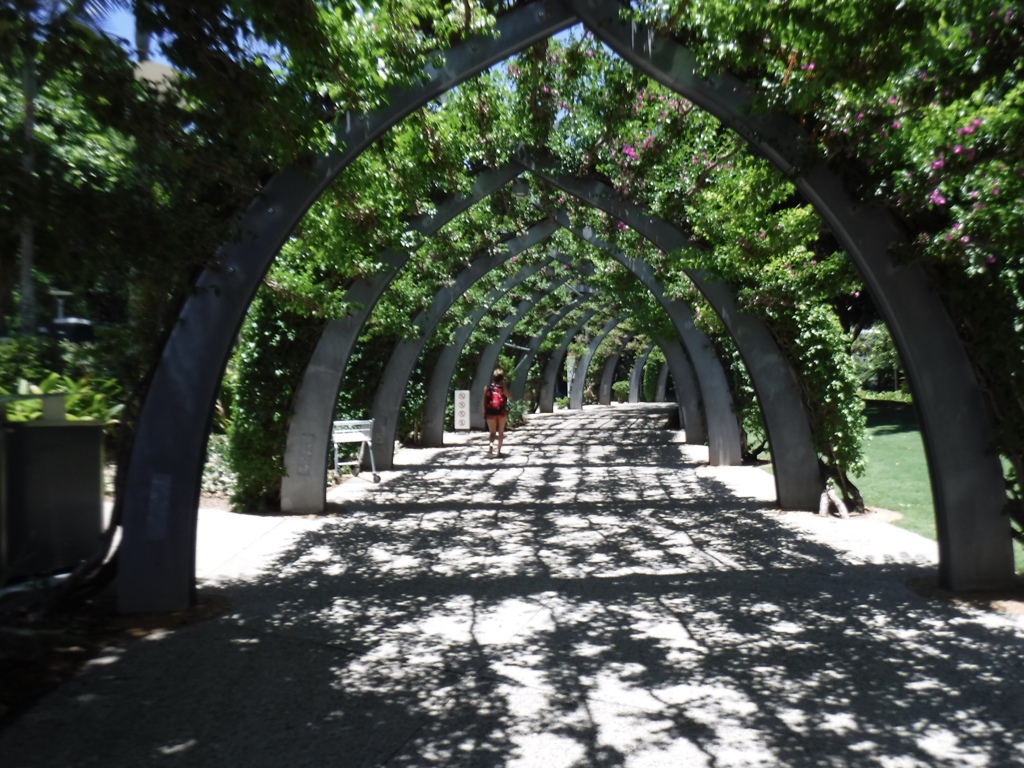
[[970, 127], [936, 198], [629, 152]]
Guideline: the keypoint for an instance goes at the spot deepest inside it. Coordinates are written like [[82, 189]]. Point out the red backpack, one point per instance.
[[494, 400]]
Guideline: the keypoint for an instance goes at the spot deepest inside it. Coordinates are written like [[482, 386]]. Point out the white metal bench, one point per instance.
[[355, 431]]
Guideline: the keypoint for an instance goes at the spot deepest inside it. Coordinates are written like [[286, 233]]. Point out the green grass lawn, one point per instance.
[[897, 473]]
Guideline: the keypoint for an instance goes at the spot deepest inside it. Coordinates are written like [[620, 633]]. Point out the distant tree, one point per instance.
[[35, 36]]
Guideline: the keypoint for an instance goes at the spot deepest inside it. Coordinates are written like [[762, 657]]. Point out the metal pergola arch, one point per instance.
[[391, 390], [636, 374], [302, 490], [305, 453], [389, 396], [522, 369], [444, 370], [159, 498], [604, 388], [975, 549], [579, 379], [797, 477]]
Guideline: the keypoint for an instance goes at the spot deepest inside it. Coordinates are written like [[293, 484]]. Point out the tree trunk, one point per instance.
[[27, 312]]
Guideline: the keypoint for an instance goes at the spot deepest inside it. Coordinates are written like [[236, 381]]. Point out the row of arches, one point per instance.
[[797, 474], [160, 495]]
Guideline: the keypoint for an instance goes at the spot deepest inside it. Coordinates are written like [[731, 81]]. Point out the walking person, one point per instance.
[[496, 398]]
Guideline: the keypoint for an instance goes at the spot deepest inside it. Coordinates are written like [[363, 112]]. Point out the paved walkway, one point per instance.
[[597, 598]]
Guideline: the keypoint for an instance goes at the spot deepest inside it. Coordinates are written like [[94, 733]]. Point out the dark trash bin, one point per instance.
[[51, 495], [72, 329]]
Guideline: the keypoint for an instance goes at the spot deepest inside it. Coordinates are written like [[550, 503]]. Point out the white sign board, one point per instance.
[[461, 409]]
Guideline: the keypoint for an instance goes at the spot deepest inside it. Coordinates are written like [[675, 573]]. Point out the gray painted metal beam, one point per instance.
[[975, 550], [753, 338], [691, 414], [636, 376], [579, 380], [662, 386], [604, 389], [156, 558]]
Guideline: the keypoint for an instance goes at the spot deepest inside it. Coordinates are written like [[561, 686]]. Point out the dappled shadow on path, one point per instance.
[[595, 599]]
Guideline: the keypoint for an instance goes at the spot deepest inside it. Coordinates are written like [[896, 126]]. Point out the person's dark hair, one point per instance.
[[499, 376]]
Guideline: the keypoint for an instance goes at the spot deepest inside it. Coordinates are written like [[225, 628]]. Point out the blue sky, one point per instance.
[[122, 24]]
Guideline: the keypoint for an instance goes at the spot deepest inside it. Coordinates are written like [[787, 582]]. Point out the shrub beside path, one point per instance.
[[600, 597]]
